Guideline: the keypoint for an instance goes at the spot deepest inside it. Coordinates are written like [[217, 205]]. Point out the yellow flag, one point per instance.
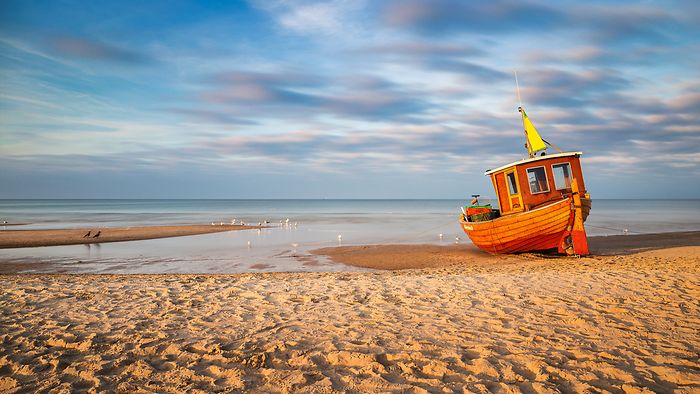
[[533, 137]]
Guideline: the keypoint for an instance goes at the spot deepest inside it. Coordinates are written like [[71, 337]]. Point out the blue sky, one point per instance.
[[342, 99]]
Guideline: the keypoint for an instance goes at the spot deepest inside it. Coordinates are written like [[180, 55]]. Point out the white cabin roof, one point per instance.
[[536, 158]]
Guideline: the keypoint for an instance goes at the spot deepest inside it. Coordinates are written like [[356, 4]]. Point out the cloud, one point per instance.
[[480, 73], [400, 148], [560, 88], [630, 24], [421, 48], [313, 17], [499, 17], [608, 26], [88, 49], [689, 102], [259, 77], [435, 57], [354, 96], [212, 116], [260, 88]]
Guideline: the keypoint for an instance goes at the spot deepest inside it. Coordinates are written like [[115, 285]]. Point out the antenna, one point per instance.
[[517, 88], [522, 116]]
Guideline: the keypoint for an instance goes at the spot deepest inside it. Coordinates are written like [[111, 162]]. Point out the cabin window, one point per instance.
[[562, 176], [512, 186], [537, 177]]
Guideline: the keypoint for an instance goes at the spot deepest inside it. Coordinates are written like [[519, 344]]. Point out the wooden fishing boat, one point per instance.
[[542, 201]]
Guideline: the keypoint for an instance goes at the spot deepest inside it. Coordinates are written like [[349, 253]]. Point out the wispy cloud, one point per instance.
[[333, 17], [493, 17], [83, 48], [358, 96], [418, 48]]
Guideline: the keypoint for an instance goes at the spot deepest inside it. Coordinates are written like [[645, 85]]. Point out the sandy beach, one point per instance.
[[618, 323], [53, 237]]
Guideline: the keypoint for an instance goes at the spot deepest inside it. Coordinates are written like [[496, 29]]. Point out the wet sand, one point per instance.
[[528, 323], [34, 238], [393, 257]]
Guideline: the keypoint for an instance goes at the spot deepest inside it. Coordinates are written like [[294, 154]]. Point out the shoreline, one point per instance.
[[57, 237]]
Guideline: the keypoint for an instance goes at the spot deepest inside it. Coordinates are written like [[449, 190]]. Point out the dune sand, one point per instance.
[[53, 237], [627, 323]]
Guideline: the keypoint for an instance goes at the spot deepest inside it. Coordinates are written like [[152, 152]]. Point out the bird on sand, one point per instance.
[[86, 235], [97, 235]]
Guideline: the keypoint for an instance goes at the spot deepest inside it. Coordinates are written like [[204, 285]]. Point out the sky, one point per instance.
[[342, 99]]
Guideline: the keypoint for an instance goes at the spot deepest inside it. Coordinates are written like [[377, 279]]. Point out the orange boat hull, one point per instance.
[[539, 229]]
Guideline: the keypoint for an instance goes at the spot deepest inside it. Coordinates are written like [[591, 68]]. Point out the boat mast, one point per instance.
[[530, 153]]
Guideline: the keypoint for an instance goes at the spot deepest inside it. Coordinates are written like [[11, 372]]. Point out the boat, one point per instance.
[[542, 203]]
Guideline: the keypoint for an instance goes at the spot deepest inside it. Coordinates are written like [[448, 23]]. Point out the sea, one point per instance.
[[296, 228]]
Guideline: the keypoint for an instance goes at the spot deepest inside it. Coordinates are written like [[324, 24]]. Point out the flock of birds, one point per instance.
[[235, 222], [286, 223]]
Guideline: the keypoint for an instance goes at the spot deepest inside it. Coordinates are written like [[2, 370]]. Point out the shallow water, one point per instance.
[[312, 224]]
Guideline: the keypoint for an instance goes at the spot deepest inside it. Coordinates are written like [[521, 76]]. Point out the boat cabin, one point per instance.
[[528, 184]]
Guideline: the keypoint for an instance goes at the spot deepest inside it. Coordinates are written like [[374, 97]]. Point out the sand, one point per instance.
[[33, 238], [623, 324], [395, 257]]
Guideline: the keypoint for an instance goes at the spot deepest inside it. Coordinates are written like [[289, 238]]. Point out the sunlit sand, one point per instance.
[[621, 323]]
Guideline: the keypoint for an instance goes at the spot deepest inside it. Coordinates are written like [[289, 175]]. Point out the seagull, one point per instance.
[[340, 237], [248, 243], [86, 235], [97, 235], [456, 240], [440, 235]]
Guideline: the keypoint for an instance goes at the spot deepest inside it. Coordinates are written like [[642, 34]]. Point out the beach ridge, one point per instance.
[[89, 235]]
